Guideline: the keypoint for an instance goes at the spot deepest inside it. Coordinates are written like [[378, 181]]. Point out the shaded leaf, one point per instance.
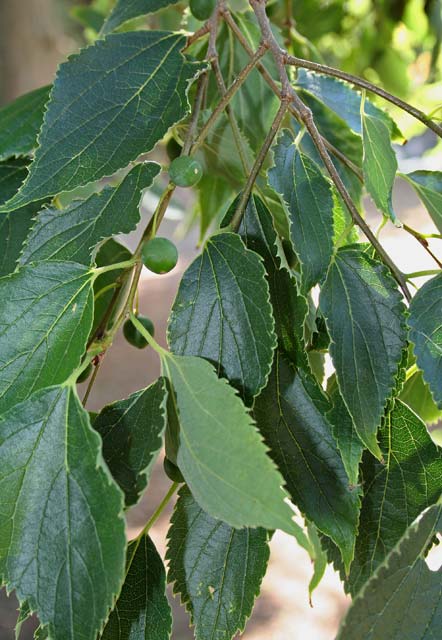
[[20, 122], [72, 233], [62, 535], [135, 85], [132, 433], [222, 313], [216, 569], [428, 186], [425, 322], [291, 415], [142, 611], [220, 452], [402, 600], [319, 560], [24, 614], [308, 197], [45, 319], [416, 394], [365, 318], [125, 10]]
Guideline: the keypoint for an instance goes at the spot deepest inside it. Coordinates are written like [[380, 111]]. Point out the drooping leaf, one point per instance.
[[142, 611], [319, 559], [45, 319], [216, 569], [341, 98], [14, 226], [344, 432], [125, 10], [72, 233], [62, 541], [222, 313], [132, 432], [291, 415], [379, 162], [428, 186], [395, 492], [365, 319], [426, 333], [289, 307], [134, 85], [220, 452], [416, 394], [308, 197], [20, 123], [402, 600]]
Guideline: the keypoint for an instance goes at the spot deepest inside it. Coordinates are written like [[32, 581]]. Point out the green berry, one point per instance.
[[202, 9], [84, 375], [173, 149], [133, 336], [185, 171], [160, 255], [172, 471]]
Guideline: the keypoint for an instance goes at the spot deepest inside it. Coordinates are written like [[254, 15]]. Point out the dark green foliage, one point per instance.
[[134, 336], [172, 471]]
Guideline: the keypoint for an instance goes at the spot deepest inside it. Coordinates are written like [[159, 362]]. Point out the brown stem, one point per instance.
[[423, 241]]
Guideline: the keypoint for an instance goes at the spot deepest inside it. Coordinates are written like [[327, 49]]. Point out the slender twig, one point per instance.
[[236, 219], [363, 84], [423, 242], [91, 382], [200, 33], [199, 96], [306, 116], [420, 274], [159, 510]]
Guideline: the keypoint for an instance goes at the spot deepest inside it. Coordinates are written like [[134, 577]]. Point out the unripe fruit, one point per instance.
[[84, 375], [172, 471], [202, 9], [133, 336], [173, 149], [185, 171], [159, 255]]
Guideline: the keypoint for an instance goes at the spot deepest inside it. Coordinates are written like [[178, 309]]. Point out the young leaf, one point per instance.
[[426, 334], [365, 318], [20, 123], [134, 85], [402, 600], [308, 197], [222, 313], [45, 319], [220, 453], [62, 541], [132, 433], [395, 492], [72, 233], [125, 10], [416, 394], [142, 611], [291, 415], [216, 569], [428, 186], [379, 162]]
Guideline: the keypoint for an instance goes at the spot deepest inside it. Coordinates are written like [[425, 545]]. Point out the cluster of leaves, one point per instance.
[[247, 418]]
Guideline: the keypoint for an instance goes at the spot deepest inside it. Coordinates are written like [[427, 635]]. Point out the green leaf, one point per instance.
[[365, 317], [345, 101], [134, 85], [220, 453], [88, 17], [395, 492], [132, 432], [425, 322], [45, 319], [344, 432], [319, 560], [428, 186], [291, 416], [379, 163], [14, 227], [402, 601], [72, 233], [125, 10], [216, 569], [62, 541], [23, 615], [222, 313], [308, 197], [20, 122], [289, 307], [417, 395], [142, 611]]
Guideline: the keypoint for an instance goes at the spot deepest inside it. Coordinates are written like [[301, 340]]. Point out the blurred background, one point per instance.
[[392, 42]]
